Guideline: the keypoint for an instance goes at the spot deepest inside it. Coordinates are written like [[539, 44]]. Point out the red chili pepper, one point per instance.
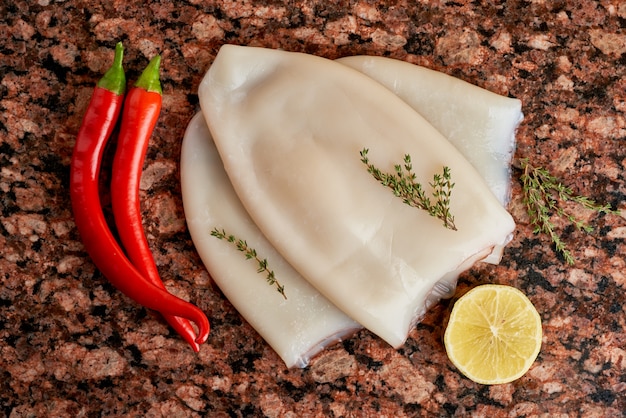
[[139, 117], [98, 123]]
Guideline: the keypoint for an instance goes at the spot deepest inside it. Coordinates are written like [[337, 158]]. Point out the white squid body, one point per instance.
[[296, 328], [289, 128], [479, 123]]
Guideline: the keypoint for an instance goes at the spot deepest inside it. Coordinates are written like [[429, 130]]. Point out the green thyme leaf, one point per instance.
[[404, 185], [251, 254], [542, 193]]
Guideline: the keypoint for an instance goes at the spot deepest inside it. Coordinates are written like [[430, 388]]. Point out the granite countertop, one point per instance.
[[71, 345]]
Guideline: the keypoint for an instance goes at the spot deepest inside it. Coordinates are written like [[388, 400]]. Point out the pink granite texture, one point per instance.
[[71, 345]]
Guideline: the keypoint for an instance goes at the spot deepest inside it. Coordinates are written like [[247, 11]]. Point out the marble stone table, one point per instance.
[[71, 345]]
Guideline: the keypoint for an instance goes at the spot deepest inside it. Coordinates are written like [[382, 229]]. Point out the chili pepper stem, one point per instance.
[[149, 78], [114, 80]]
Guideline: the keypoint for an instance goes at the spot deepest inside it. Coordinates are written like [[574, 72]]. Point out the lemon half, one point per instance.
[[493, 335]]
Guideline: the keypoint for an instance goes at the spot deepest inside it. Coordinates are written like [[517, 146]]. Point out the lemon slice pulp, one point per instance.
[[493, 335]]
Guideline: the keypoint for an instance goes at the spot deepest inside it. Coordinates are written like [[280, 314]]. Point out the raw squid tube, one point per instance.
[[289, 128], [479, 123], [296, 328]]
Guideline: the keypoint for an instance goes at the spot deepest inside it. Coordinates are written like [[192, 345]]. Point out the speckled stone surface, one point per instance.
[[71, 345]]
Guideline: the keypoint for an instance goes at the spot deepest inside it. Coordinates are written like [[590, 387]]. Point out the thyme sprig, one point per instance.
[[404, 185], [542, 193], [251, 254]]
